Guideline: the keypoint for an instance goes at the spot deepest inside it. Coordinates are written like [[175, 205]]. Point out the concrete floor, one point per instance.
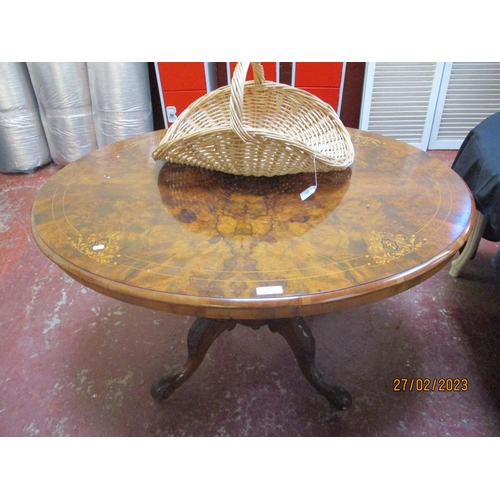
[[76, 363]]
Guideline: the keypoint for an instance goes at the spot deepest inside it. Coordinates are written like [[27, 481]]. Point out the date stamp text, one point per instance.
[[431, 385]]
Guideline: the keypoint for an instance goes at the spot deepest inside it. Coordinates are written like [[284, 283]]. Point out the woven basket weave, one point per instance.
[[258, 128]]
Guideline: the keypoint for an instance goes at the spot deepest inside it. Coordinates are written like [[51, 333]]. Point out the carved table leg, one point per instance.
[[299, 337], [200, 337]]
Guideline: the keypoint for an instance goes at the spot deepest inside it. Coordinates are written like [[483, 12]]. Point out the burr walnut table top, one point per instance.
[[198, 242]]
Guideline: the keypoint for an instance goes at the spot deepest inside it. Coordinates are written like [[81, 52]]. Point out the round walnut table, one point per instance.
[[232, 249]]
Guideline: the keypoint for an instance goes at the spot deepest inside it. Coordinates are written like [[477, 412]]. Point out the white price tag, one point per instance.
[[307, 192]]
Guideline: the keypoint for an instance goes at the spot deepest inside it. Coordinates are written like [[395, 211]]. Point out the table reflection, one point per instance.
[[229, 206]]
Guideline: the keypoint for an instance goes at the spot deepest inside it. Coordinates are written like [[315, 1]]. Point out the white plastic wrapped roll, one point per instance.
[[63, 94], [121, 100], [23, 146]]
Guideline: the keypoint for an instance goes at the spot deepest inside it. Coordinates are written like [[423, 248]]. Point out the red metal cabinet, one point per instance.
[[181, 84], [322, 79]]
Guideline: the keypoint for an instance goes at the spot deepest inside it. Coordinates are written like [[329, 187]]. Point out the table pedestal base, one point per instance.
[[294, 330]]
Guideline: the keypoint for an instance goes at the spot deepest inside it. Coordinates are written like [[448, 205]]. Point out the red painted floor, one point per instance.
[[76, 363]]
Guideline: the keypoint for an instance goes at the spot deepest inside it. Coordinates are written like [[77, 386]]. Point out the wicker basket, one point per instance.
[[258, 128]]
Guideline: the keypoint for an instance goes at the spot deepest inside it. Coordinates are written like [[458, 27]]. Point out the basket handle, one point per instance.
[[237, 93]]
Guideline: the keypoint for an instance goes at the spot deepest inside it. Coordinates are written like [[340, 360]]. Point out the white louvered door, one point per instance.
[[429, 105], [400, 99], [470, 92]]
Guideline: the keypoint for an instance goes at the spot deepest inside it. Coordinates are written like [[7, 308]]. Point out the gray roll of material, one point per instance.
[[121, 100], [23, 146], [63, 94]]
